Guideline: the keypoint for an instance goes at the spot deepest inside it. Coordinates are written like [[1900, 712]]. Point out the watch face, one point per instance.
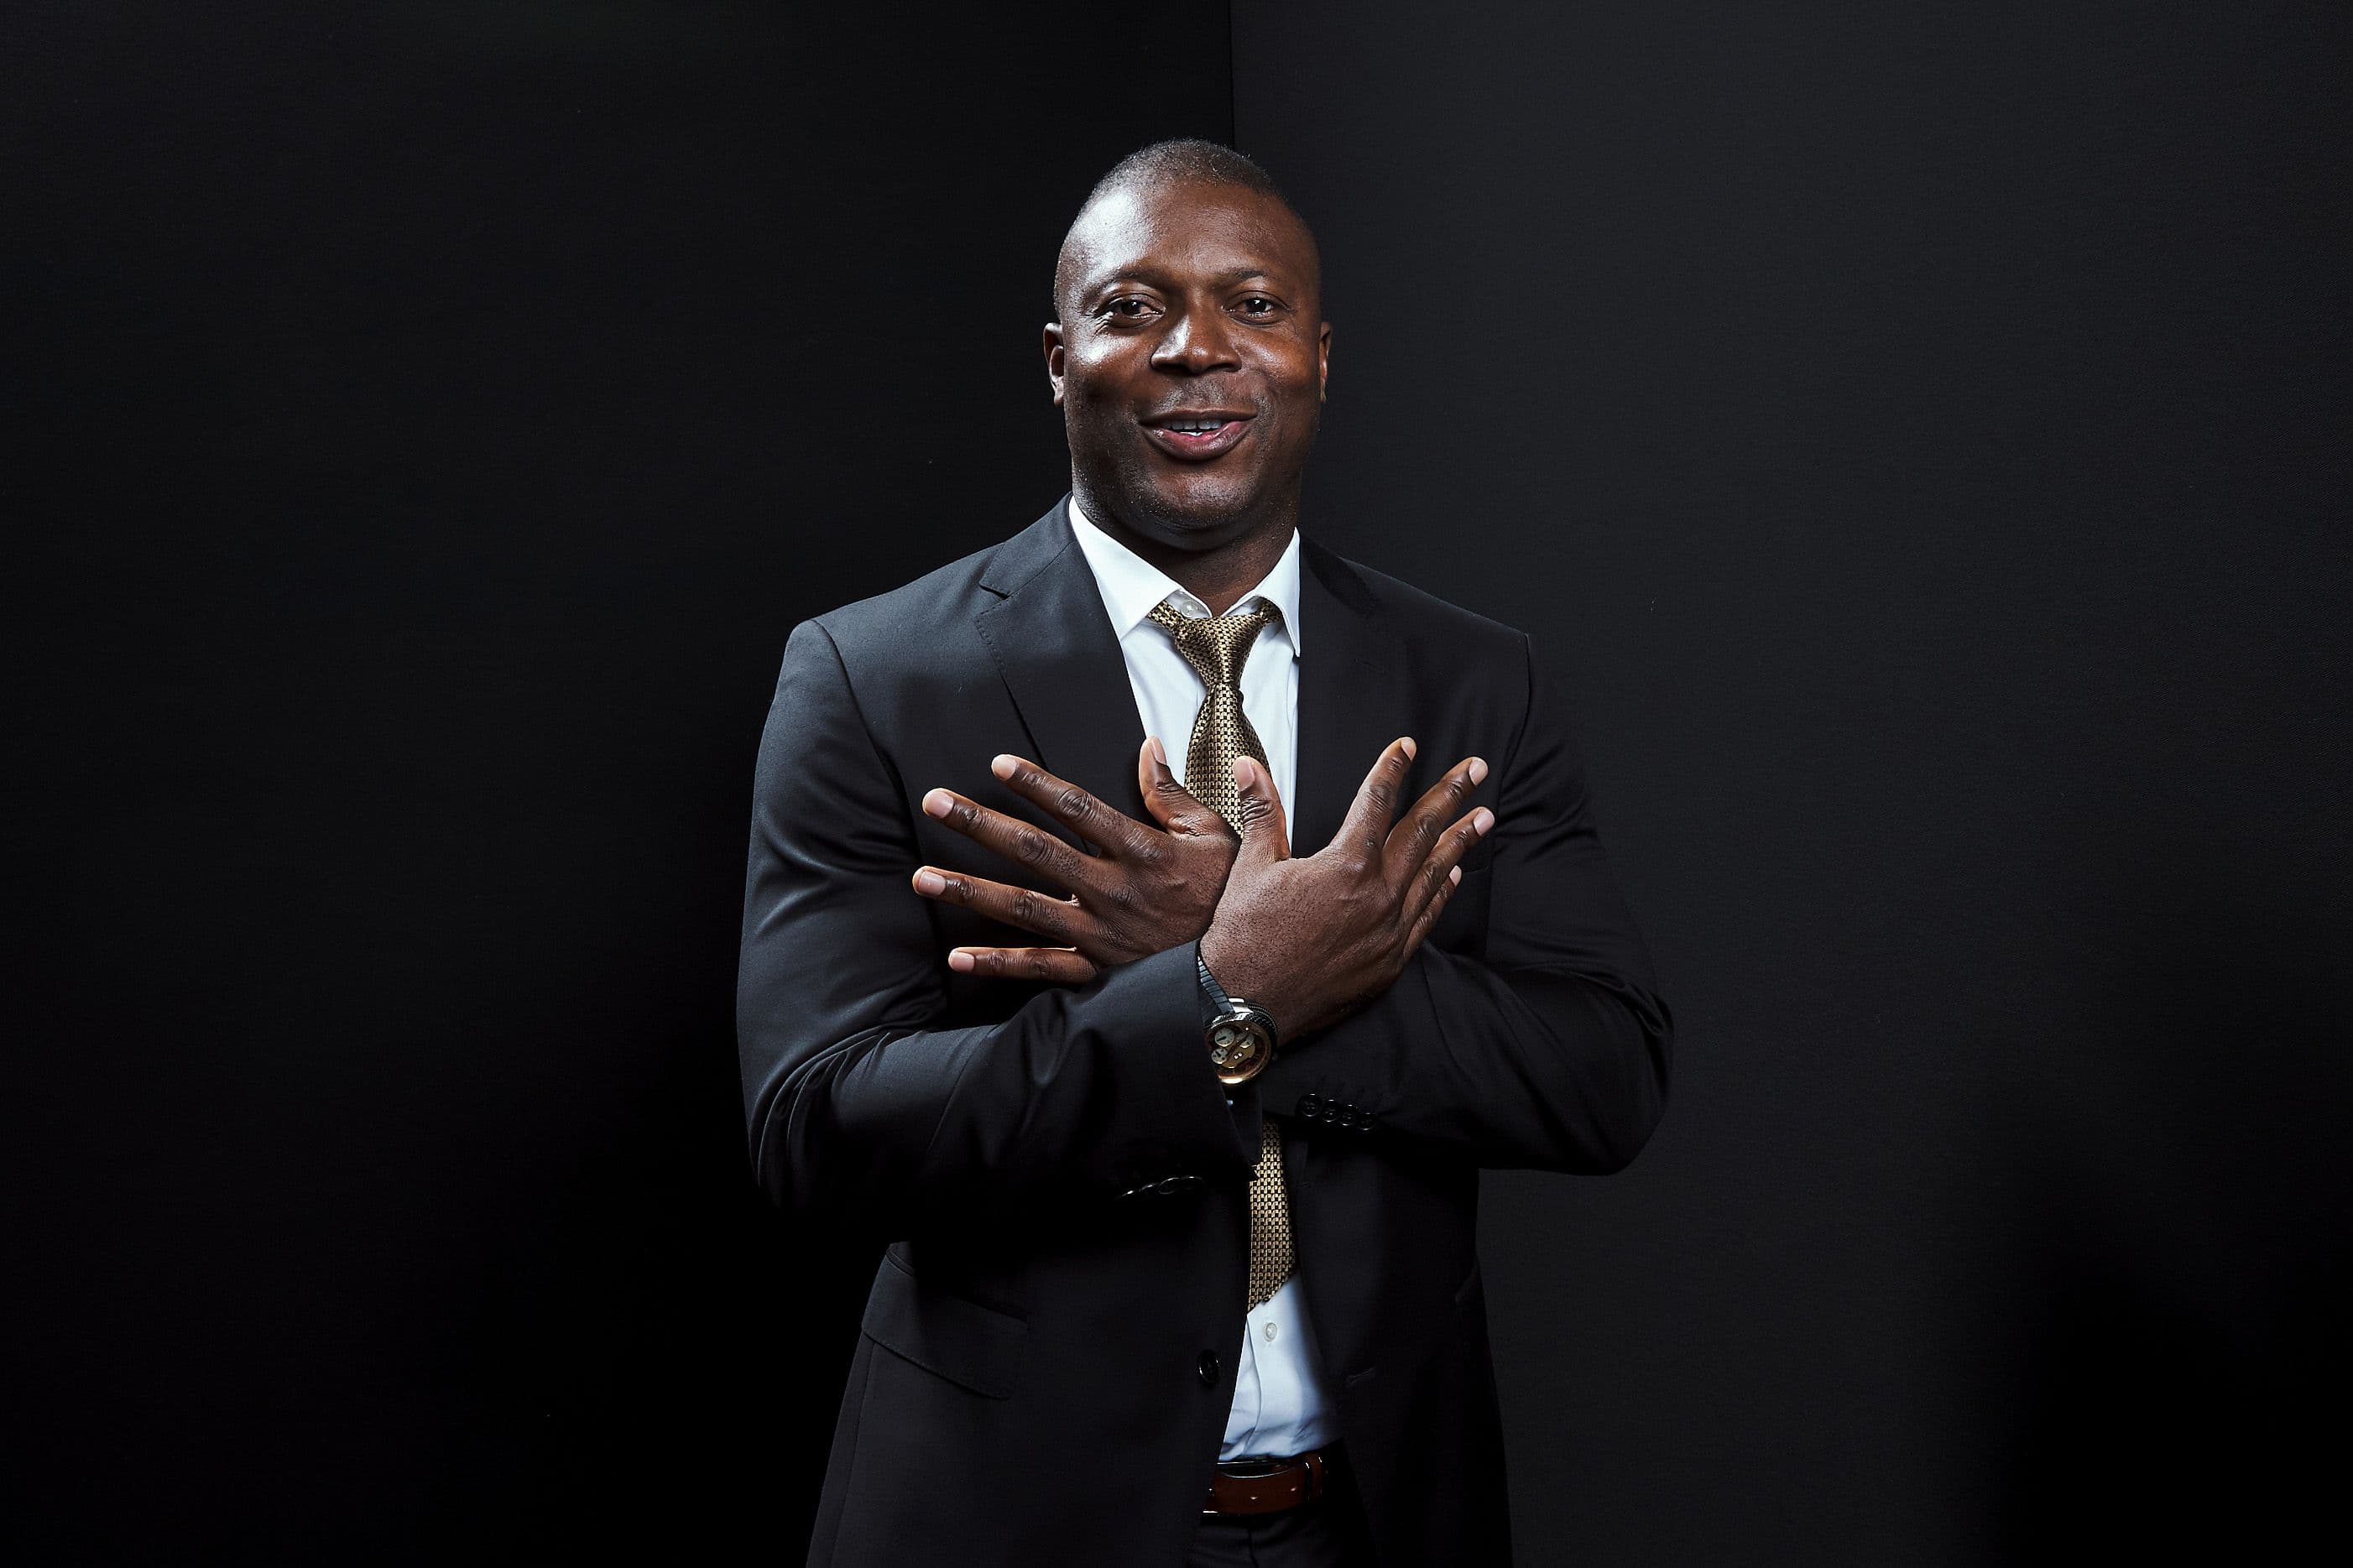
[[1238, 1049]]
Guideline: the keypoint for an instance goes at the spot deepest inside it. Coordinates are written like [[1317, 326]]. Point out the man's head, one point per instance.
[[1188, 349]]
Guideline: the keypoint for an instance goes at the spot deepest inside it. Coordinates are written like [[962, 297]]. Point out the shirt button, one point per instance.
[[1270, 1331], [1209, 1369]]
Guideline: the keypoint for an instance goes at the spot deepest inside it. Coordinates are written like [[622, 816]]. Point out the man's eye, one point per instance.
[[1130, 308]]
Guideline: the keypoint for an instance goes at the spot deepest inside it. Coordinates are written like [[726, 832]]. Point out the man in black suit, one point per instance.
[[1128, 1091]]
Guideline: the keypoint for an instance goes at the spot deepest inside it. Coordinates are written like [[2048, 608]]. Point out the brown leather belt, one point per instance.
[[1269, 1484]]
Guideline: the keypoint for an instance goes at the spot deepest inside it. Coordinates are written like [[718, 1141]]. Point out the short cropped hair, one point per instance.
[[1186, 158]]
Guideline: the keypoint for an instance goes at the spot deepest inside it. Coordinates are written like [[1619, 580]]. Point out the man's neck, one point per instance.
[[1219, 575]]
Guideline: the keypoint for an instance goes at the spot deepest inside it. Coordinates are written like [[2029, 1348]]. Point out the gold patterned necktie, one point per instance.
[[1216, 646]]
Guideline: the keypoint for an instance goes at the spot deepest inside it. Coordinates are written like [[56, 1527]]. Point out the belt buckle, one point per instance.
[[1257, 1467]]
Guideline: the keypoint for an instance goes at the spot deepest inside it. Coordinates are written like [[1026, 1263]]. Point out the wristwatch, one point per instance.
[[1241, 1033]]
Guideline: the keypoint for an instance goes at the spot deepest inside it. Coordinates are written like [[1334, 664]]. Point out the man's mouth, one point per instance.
[[1196, 436]]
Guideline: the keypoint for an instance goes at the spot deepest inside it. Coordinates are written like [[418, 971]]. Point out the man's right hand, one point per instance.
[[1313, 940], [1147, 891]]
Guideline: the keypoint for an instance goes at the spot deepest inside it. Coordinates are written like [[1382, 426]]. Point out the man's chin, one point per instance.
[[1194, 516]]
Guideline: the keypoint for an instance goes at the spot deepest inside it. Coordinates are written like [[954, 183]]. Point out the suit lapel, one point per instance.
[[1352, 696], [1054, 648], [1062, 664]]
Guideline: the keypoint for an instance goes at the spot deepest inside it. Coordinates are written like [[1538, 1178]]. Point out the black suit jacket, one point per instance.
[[1048, 1353]]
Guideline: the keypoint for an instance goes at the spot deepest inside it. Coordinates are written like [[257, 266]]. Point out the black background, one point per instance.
[[1920, 439]]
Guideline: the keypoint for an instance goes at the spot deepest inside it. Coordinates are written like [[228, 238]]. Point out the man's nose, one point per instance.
[[1197, 341]]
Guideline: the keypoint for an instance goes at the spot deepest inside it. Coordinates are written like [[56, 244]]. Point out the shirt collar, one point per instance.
[[1131, 585]]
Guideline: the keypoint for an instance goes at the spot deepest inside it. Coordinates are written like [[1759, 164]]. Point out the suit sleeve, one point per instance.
[[860, 1106], [1549, 1051]]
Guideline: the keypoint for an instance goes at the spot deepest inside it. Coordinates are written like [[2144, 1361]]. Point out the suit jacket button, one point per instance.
[[1310, 1106], [1209, 1369]]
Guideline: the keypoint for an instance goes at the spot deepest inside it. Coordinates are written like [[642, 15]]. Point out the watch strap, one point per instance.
[[1215, 994]]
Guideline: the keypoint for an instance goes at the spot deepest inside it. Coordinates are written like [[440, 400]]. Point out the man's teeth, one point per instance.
[[1196, 425]]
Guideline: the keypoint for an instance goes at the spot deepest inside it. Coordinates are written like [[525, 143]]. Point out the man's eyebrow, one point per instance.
[[1230, 276]]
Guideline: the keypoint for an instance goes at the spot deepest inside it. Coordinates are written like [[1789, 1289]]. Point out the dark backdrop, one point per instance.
[[1922, 435], [441, 415], [1920, 440]]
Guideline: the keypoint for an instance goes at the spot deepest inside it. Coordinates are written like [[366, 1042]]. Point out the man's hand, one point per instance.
[[1149, 889], [1311, 941]]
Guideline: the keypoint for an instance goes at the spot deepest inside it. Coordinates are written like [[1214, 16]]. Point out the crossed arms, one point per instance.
[[1546, 1049]]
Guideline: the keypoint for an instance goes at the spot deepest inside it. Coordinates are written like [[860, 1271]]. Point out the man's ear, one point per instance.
[[1054, 359], [1322, 359]]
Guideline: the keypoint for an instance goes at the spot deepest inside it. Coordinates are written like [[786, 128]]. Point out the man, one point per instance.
[[1173, 1127]]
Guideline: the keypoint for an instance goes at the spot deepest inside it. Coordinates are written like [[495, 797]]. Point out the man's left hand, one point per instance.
[[1149, 889]]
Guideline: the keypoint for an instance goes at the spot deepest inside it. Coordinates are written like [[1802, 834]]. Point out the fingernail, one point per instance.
[[1455, 876], [1481, 820], [1409, 747], [1003, 767], [960, 961], [937, 804], [1243, 767], [1159, 751], [929, 882], [1478, 769]]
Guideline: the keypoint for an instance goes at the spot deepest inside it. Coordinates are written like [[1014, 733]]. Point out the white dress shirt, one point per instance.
[[1280, 1403]]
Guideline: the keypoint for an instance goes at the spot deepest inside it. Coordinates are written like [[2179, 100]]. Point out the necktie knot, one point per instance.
[[1216, 646]]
